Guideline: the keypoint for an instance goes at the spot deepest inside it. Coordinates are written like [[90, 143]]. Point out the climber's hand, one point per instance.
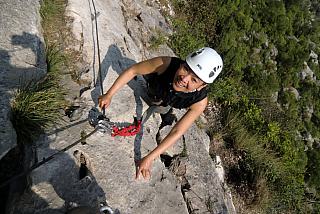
[[104, 101], [144, 168]]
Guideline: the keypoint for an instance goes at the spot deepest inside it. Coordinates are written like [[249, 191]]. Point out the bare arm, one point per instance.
[[154, 65], [177, 131]]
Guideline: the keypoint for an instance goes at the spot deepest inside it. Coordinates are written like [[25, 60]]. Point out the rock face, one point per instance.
[[202, 179], [102, 170], [21, 57], [8, 138], [307, 73]]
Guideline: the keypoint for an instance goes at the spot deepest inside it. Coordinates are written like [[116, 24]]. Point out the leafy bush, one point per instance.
[[264, 45], [185, 40], [313, 171], [158, 39]]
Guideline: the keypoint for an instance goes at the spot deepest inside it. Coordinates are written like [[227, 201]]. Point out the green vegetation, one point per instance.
[[269, 90], [56, 32], [36, 103], [157, 39], [35, 106]]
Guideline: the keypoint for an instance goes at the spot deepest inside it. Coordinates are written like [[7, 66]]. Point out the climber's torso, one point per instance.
[[176, 85]]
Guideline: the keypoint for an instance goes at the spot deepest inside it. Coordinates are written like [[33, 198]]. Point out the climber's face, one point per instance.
[[185, 80]]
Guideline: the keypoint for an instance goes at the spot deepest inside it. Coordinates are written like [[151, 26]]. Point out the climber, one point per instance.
[[172, 82]]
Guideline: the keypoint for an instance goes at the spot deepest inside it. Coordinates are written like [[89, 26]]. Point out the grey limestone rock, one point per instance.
[[294, 91], [307, 73], [103, 169], [21, 57], [203, 184], [8, 138]]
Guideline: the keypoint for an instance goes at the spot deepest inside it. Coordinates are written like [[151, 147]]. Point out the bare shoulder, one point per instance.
[[191, 115], [200, 105], [164, 62]]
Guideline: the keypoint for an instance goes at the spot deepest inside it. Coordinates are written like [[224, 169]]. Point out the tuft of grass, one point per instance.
[[51, 11], [57, 32], [33, 110], [36, 103], [184, 152], [269, 171], [54, 59]]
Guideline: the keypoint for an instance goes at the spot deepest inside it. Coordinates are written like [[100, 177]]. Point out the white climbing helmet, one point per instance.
[[206, 63]]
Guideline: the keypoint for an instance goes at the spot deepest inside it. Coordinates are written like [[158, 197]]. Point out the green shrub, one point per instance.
[[185, 39], [158, 39], [264, 45], [253, 117], [313, 169], [227, 90]]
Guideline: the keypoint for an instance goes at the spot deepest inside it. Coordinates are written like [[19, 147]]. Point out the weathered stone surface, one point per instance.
[[307, 73], [21, 57], [314, 57], [177, 148], [205, 191], [294, 91], [103, 170], [22, 45], [8, 138]]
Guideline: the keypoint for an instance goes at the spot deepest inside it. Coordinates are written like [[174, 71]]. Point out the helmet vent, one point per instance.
[[197, 52], [206, 63]]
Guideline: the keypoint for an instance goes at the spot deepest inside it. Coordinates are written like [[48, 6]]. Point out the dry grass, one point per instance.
[[57, 32]]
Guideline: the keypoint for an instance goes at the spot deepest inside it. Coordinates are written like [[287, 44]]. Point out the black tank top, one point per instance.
[[160, 88]]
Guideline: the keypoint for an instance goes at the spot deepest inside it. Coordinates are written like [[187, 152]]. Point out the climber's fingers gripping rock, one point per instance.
[[104, 101], [144, 168]]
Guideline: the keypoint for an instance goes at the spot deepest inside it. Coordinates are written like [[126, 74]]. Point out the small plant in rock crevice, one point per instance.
[[158, 39], [36, 103]]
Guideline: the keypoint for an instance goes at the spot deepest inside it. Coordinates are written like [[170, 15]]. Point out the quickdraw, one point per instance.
[[104, 125], [96, 118]]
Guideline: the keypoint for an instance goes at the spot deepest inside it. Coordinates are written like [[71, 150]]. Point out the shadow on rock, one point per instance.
[[119, 63], [33, 64], [17, 67], [63, 183]]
